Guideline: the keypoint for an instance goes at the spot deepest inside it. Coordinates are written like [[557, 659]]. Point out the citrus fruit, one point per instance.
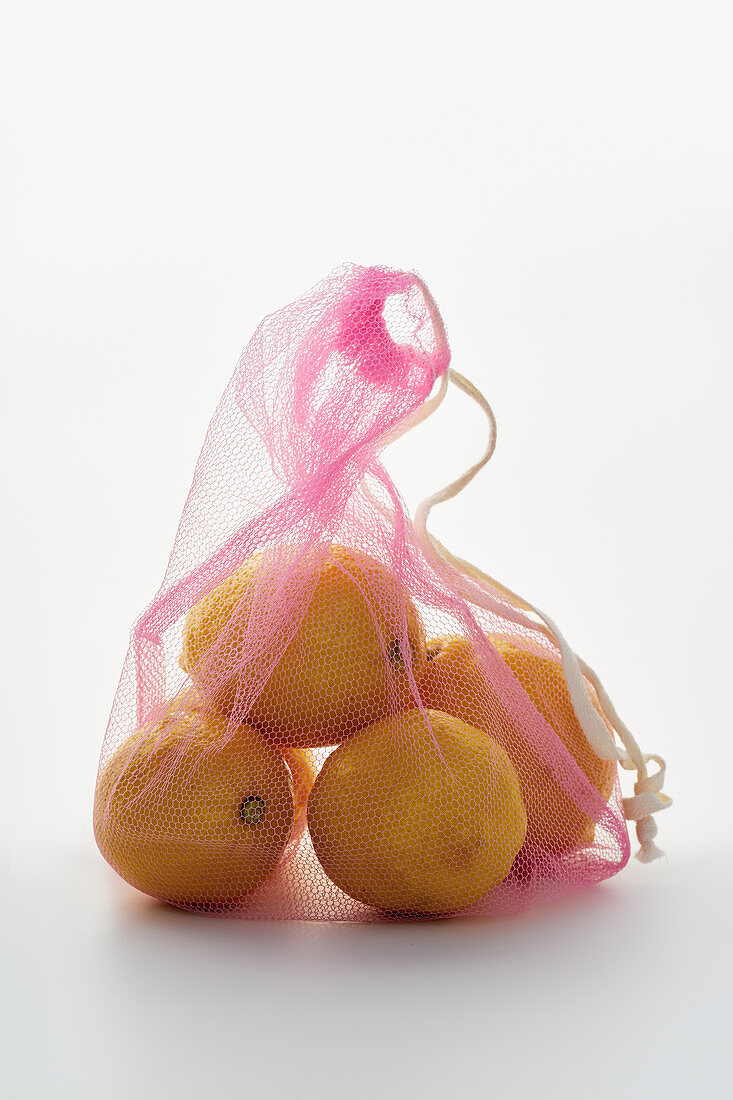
[[303, 770], [339, 668], [192, 813], [454, 680], [417, 818]]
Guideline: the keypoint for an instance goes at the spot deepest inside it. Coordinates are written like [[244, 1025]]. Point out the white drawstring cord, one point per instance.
[[648, 797]]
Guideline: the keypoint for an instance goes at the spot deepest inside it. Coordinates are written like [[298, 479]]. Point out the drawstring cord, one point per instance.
[[648, 797]]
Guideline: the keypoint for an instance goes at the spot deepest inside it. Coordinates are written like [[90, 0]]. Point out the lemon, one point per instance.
[[417, 816], [192, 813], [306, 646]]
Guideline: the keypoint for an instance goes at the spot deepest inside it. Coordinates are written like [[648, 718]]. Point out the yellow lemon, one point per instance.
[[342, 665], [454, 680], [192, 813], [417, 818]]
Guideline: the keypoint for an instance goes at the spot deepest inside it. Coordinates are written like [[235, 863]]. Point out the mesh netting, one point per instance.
[[319, 716]]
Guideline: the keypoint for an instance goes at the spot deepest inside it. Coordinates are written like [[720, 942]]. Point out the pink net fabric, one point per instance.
[[313, 720]]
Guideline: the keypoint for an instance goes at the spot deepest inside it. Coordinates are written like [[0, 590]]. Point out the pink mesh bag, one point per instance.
[[323, 713]]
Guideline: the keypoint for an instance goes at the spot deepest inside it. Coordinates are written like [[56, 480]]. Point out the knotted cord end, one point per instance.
[[648, 799]]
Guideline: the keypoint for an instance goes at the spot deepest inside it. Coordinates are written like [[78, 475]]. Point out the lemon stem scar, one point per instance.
[[252, 809], [395, 653], [434, 649]]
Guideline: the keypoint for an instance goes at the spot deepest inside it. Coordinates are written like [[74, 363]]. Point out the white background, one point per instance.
[[561, 176]]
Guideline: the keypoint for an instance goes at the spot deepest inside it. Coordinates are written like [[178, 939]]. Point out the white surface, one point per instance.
[[561, 176], [621, 991]]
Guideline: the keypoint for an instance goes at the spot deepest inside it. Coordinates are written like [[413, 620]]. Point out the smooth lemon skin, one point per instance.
[[192, 813], [340, 668], [416, 818], [454, 680]]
